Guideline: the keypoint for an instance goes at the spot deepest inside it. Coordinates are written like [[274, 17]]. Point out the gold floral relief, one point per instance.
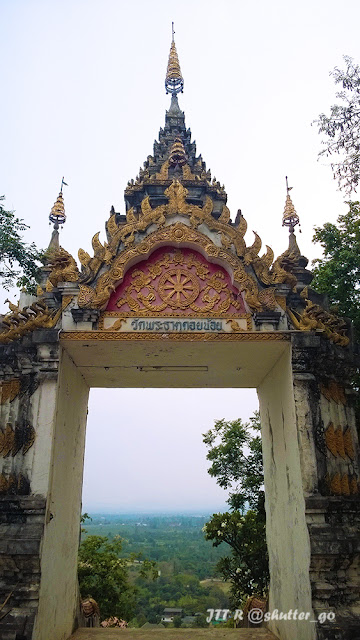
[[267, 299], [334, 391], [12, 440], [330, 439], [125, 235], [335, 484], [176, 234], [354, 486], [7, 441], [348, 444], [339, 436], [178, 282], [9, 390], [14, 483], [345, 488]]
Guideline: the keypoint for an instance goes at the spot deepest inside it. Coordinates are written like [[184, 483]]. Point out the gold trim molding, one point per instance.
[[243, 336], [175, 234], [232, 247]]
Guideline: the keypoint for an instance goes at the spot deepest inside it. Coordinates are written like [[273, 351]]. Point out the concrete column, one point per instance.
[[286, 528], [58, 589]]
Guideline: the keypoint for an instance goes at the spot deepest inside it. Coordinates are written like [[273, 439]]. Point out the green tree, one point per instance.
[[235, 451], [200, 622], [341, 129], [103, 575], [177, 622], [337, 274], [19, 262]]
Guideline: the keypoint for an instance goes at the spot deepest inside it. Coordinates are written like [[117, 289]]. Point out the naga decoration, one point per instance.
[[36, 316], [175, 203], [315, 318], [63, 268], [122, 246]]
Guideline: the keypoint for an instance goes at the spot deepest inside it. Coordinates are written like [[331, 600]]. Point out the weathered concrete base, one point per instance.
[[312, 498], [21, 529], [334, 524]]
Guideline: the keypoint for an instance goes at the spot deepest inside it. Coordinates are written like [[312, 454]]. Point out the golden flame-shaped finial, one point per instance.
[[290, 217], [174, 82], [57, 214], [177, 153]]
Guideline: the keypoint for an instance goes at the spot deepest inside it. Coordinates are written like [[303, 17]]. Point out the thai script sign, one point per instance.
[[174, 325]]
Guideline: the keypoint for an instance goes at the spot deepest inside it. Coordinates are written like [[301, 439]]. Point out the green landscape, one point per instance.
[[184, 574]]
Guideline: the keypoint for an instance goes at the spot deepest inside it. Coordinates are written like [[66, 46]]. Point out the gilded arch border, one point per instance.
[[176, 234]]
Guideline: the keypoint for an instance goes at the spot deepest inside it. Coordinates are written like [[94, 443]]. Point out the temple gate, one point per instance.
[[175, 298]]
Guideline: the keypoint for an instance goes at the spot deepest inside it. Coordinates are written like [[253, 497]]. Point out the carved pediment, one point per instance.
[[177, 282]]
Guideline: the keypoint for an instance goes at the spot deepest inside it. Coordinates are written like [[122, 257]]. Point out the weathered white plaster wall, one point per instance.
[[58, 590], [43, 410], [305, 433], [35, 463], [286, 531]]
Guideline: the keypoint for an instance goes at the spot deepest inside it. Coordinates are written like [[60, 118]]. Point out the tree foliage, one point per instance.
[[341, 129], [235, 451], [337, 274], [104, 576], [19, 262]]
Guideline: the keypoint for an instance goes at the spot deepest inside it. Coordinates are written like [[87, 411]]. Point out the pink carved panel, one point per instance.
[[177, 282]]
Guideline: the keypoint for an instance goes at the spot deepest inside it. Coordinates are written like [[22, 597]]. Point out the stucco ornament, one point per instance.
[[35, 316], [122, 247]]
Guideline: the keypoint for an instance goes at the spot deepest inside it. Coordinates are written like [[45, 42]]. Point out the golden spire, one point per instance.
[[57, 214], [290, 217], [174, 82], [57, 217], [177, 153]]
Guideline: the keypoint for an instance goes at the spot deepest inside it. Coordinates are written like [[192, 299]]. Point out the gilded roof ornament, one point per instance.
[[57, 214], [177, 153], [57, 217], [290, 217], [174, 82]]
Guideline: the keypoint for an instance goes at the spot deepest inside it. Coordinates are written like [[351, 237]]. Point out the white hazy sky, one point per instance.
[[82, 95]]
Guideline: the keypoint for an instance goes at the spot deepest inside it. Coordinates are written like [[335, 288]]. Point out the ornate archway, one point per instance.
[[175, 272]]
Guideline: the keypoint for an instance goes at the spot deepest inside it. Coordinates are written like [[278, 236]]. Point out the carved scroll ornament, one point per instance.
[[315, 318], [12, 440], [176, 234], [233, 246], [177, 281], [36, 316]]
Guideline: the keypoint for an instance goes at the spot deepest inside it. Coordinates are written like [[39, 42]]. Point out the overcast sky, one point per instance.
[[82, 95]]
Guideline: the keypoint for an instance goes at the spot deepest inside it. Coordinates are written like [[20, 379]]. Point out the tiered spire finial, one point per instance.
[[177, 153], [174, 82], [57, 217], [57, 214], [290, 217]]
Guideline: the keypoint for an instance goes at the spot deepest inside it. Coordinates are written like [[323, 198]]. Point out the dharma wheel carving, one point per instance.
[[178, 288]]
